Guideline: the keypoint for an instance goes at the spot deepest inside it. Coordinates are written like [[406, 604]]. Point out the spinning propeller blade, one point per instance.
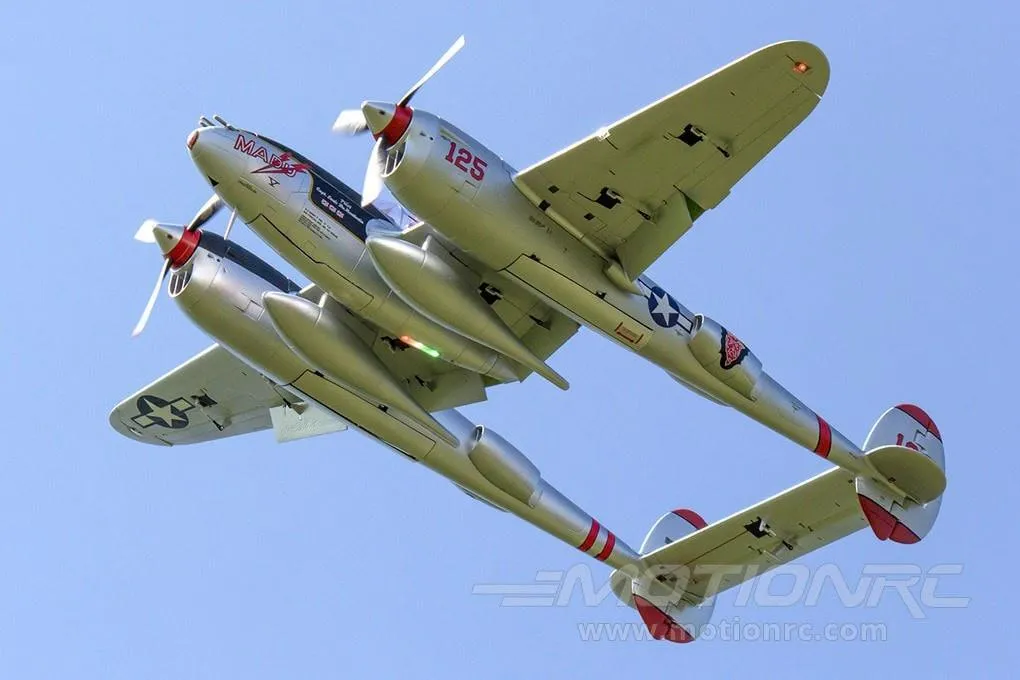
[[373, 185], [205, 213], [147, 312], [454, 49], [144, 233], [147, 234], [389, 122], [350, 122]]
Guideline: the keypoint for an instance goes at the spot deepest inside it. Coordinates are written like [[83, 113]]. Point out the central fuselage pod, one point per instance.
[[463, 189], [316, 222]]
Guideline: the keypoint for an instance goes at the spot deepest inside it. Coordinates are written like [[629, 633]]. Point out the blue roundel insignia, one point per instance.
[[664, 309]]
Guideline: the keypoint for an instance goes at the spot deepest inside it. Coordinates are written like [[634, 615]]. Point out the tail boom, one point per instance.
[[735, 376]]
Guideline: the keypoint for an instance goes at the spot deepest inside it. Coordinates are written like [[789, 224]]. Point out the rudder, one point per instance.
[[890, 518], [660, 602]]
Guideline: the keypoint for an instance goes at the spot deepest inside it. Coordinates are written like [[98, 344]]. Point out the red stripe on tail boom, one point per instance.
[[824, 444], [589, 540], [608, 549]]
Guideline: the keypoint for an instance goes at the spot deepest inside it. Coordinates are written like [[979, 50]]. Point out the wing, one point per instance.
[[215, 395], [632, 189], [777, 530]]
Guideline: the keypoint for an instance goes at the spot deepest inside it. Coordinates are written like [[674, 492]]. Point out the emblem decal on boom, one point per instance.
[[732, 351]]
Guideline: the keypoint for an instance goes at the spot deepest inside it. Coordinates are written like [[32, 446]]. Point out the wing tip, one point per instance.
[[122, 428], [816, 77]]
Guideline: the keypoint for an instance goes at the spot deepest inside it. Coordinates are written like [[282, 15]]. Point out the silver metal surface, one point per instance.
[[315, 222], [493, 221], [319, 336], [478, 207], [225, 300], [431, 285]]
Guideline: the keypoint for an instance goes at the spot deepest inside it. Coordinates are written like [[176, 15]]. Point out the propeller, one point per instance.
[[373, 184], [350, 122], [447, 56], [204, 214], [387, 123], [397, 213], [143, 320], [144, 233], [172, 236]]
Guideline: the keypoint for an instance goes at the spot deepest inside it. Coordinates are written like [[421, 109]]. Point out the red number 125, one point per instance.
[[462, 158]]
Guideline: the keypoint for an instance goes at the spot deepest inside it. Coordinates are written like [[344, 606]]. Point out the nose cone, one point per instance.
[[167, 237], [192, 139], [212, 152], [378, 115], [177, 244], [201, 140]]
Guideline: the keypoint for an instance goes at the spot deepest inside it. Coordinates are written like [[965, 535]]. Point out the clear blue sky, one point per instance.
[[868, 261]]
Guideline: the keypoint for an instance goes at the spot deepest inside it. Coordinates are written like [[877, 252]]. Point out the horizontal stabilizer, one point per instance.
[[914, 472]]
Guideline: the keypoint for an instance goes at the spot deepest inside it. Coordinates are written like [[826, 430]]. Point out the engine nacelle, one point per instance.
[[504, 466], [725, 356], [418, 163]]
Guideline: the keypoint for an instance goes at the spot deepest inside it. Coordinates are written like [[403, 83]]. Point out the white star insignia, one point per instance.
[[168, 415], [164, 413], [664, 309]]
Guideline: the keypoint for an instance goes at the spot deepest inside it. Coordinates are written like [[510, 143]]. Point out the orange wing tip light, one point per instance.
[[801, 67]]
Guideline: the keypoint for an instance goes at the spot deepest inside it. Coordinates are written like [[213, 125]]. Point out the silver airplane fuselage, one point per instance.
[[316, 223], [222, 289]]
